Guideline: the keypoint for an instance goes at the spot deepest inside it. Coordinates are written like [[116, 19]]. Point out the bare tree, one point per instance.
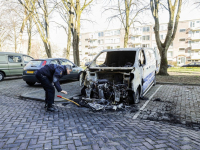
[[40, 14], [127, 12], [174, 10], [75, 9], [67, 18]]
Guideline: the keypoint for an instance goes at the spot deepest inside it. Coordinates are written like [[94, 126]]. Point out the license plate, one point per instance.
[[30, 72]]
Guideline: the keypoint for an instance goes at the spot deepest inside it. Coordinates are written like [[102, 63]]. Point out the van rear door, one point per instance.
[[15, 64], [4, 64]]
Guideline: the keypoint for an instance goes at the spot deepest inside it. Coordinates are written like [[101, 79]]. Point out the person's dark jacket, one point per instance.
[[54, 72]]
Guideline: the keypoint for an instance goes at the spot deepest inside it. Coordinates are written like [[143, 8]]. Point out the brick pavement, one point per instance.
[[25, 125], [178, 104]]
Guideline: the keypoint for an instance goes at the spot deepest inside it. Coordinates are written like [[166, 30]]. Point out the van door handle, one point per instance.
[[21, 64]]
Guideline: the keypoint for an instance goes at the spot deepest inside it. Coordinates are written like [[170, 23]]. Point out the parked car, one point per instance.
[[120, 74], [193, 64], [12, 64], [169, 66], [31, 68]]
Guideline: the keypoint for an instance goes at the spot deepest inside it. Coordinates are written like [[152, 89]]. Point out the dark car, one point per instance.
[[31, 68], [193, 64], [169, 66]]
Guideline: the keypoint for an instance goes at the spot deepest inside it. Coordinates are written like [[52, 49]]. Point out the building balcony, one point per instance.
[[136, 33], [195, 56], [195, 46], [93, 36], [196, 37], [136, 42]]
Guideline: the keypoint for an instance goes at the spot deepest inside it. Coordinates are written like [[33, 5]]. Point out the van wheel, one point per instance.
[[30, 83], [2, 76], [136, 97]]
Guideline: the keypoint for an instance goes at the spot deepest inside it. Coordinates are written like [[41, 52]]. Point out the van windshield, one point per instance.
[[116, 59], [35, 63]]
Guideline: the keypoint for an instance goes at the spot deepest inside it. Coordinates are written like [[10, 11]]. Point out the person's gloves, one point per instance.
[[64, 92]]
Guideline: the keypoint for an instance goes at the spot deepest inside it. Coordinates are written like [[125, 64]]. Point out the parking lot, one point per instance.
[[169, 119]]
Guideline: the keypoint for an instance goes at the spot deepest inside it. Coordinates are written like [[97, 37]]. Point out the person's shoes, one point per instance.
[[52, 108]]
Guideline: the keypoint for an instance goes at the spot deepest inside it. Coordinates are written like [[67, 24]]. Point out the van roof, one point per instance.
[[124, 49], [12, 53]]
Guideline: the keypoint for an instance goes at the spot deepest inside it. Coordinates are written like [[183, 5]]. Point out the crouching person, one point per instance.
[[48, 74]]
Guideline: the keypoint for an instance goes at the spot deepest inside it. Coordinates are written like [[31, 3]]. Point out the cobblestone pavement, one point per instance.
[[178, 104], [17, 87], [25, 125]]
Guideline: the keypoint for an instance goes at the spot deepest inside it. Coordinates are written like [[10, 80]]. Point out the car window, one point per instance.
[[197, 63], [27, 59], [191, 64], [55, 62], [66, 62], [14, 59]]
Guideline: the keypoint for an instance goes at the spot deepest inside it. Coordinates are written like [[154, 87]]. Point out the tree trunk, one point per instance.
[[15, 40], [29, 36], [22, 30], [126, 37], [47, 47], [69, 36], [47, 44], [76, 48], [76, 34], [164, 63]]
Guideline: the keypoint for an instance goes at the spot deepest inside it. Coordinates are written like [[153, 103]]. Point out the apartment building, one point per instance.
[[184, 49]]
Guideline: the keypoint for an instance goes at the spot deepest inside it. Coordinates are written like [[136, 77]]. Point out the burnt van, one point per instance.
[[121, 74]]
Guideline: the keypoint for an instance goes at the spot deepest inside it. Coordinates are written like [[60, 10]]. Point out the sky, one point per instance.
[[100, 23]]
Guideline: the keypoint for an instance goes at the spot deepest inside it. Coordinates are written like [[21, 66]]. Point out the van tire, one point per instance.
[[2, 76], [136, 97], [30, 83]]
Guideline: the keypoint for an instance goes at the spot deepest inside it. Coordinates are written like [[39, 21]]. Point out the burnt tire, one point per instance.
[[136, 97], [30, 83], [2, 76]]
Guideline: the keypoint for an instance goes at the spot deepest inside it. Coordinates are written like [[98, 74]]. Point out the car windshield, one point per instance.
[[116, 59], [35, 63]]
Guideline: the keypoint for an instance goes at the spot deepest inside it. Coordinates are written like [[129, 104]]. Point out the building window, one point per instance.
[[146, 38], [116, 40], [181, 49], [146, 29], [161, 37], [100, 34], [117, 32], [145, 45], [182, 30], [181, 39], [170, 54]]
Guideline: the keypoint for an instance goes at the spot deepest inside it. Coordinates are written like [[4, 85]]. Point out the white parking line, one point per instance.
[[142, 108]]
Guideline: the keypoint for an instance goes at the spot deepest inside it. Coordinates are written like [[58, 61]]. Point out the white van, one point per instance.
[[120, 74]]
